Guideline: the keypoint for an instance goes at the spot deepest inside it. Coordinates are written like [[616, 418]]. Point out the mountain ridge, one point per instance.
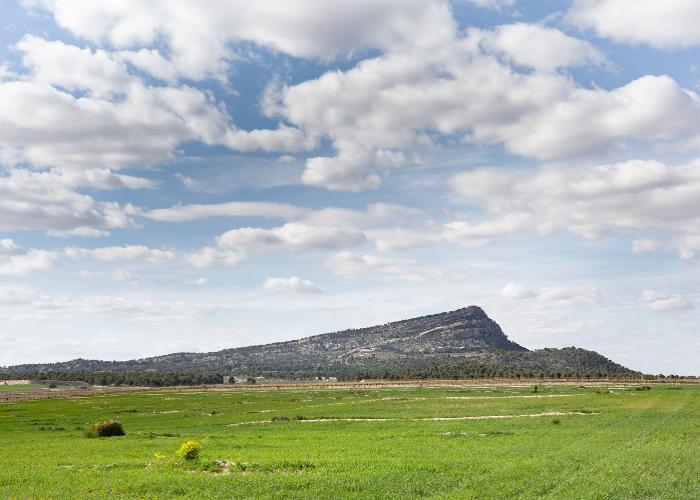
[[462, 342]]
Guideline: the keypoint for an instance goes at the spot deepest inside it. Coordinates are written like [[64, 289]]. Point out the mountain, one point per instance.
[[461, 343]]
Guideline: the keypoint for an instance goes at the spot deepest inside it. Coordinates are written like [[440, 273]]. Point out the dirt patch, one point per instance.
[[428, 419], [494, 417]]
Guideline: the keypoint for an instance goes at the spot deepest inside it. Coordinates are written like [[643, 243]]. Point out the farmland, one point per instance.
[[440, 441]]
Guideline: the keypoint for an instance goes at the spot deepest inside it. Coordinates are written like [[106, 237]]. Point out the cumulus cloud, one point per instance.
[[98, 72], [292, 285], [642, 246], [560, 295], [82, 231], [9, 247], [126, 252], [355, 265], [42, 308], [15, 295], [569, 295], [129, 123], [536, 46], [49, 199], [214, 257], [291, 236], [28, 262], [429, 81], [199, 37], [656, 301], [657, 23], [119, 275], [493, 4], [379, 114], [513, 290], [590, 200], [180, 213]]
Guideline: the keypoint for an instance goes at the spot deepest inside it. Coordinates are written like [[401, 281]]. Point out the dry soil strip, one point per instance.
[[430, 419], [393, 398], [490, 417]]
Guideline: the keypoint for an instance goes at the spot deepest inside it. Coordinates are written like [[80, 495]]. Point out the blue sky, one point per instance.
[[187, 177]]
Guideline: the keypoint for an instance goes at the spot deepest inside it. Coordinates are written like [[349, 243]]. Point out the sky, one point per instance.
[[192, 176]]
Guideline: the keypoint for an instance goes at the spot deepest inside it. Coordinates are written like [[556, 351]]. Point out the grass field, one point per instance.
[[20, 387], [563, 441]]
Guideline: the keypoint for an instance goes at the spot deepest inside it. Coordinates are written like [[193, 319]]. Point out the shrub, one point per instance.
[[106, 428], [556, 421], [189, 450], [280, 418]]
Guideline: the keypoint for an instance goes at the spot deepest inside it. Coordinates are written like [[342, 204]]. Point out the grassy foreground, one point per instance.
[[566, 441]]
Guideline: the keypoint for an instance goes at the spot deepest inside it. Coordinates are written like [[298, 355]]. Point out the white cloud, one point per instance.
[[82, 231], [643, 246], [44, 308], [198, 37], [569, 295], [196, 281], [180, 213], [429, 82], [493, 4], [120, 275], [9, 247], [214, 257], [560, 295], [354, 266], [126, 252], [97, 72], [472, 235], [657, 301], [513, 290], [151, 62], [661, 24], [15, 295], [590, 200], [48, 200], [291, 285], [128, 122], [291, 236], [536, 46], [382, 112], [26, 263]]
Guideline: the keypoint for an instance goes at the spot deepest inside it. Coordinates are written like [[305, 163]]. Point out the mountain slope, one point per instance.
[[464, 342]]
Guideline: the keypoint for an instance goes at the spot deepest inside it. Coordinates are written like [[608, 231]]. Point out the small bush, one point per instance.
[[556, 421], [106, 428], [189, 450], [280, 418]]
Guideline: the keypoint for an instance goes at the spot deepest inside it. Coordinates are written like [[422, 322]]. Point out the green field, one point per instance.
[[606, 442], [20, 387]]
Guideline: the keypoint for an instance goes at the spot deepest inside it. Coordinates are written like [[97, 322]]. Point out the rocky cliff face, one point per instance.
[[463, 330]]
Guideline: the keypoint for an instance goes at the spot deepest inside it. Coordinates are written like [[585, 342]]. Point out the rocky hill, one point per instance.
[[460, 343]]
